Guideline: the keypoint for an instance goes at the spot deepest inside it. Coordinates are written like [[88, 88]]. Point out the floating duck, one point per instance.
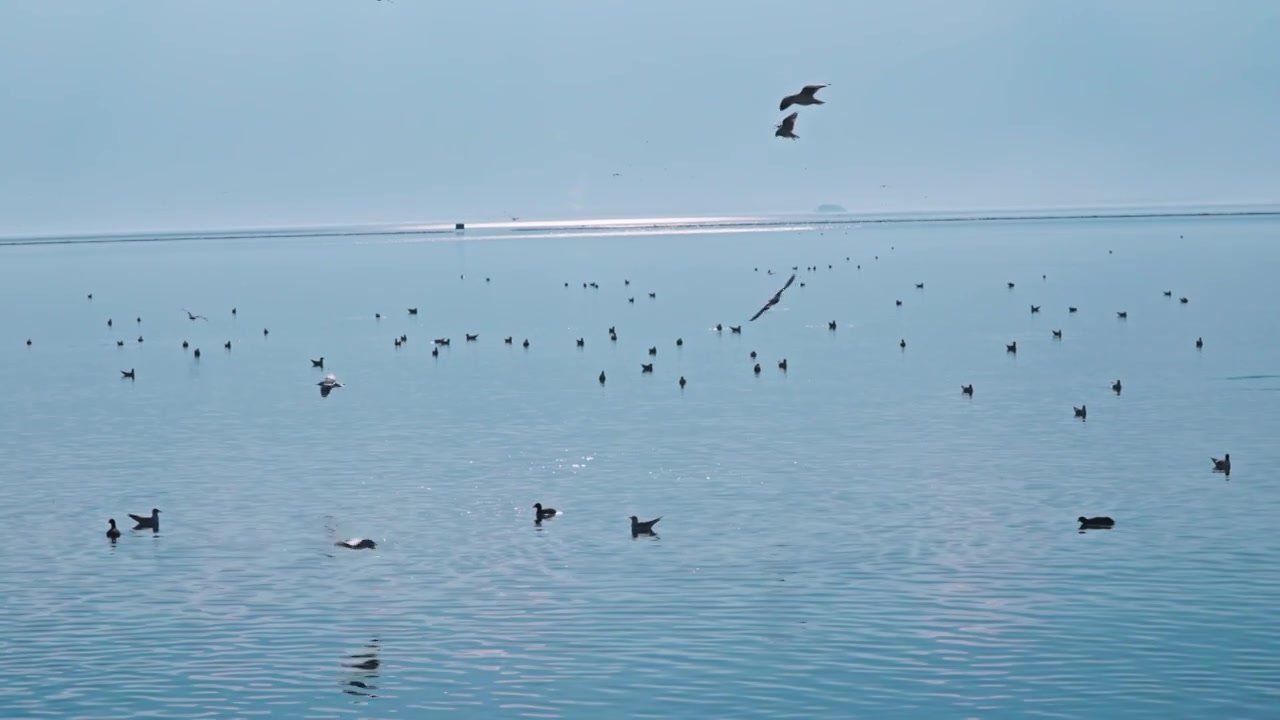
[[643, 528], [1223, 465], [147, 523]]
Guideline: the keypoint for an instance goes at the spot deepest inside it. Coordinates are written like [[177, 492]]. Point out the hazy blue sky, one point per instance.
[[155, 114]]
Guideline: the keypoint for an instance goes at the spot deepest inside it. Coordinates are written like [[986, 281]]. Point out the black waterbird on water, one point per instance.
[[1095, 523], [541, 513], [1223, 465], [643, 528], [147, 523]]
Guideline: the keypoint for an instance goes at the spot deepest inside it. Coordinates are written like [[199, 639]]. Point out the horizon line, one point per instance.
[[727, 222]]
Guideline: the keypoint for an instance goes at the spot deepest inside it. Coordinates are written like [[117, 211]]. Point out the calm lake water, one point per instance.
[[849, 538]]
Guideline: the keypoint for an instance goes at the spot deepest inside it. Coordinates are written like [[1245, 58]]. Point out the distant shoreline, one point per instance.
[[614, 225]]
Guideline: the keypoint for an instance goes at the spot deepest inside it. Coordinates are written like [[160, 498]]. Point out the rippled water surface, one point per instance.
[[849, 538]]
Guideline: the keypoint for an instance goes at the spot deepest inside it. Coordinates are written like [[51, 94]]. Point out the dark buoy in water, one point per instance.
[[459, 227]]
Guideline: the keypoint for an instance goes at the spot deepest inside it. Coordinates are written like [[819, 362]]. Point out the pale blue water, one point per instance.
[[853, 538]]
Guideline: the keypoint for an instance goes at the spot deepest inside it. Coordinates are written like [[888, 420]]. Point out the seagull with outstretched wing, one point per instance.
[[804, 97], [787, 127], [777, 297], [193, 316]]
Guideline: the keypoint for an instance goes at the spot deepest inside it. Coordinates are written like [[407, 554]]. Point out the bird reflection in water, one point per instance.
[[364, 670]]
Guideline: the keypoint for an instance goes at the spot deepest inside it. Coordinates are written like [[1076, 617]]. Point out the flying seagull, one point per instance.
[[193, 316], [787, 127], [804, 97], [777, 297], [328, 384]]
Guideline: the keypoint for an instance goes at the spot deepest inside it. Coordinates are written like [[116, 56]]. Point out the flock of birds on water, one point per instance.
[[638, 527]]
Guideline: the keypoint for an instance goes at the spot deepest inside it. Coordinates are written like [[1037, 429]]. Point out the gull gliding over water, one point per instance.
[[777, 297], [804, 97], [328, 384]]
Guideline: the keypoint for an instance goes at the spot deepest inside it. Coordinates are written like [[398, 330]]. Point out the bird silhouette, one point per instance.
[[147, 523], [328, 384], [1095, 523], [777, 297], [804, 97], [787, 127], [1223, 465], [643, 528]]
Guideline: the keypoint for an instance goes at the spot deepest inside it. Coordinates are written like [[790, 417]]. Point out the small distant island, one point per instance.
[[831, 208]]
